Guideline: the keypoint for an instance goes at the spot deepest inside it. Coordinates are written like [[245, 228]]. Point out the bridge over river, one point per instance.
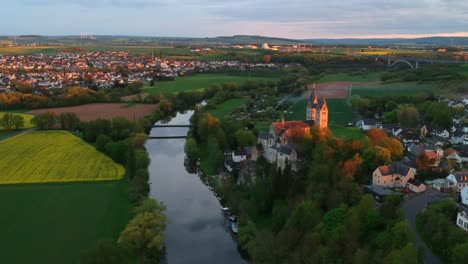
[[167, 135], [393, 60]]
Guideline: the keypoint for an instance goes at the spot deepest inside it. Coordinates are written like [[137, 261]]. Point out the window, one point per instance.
[[460, 222]]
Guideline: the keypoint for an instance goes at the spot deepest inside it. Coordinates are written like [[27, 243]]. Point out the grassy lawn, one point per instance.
[[346, 77], [7, 133], [227, 107], [396, 89], [207, 165], [197, 82], [53, 156], [56, 222], [340, 131], [27, 119]]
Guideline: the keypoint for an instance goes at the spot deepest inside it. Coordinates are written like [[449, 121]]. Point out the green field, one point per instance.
[[198, 82], [7, 133], [53, 156], [56, 222], [30, 50], [27, 119], [227, 107], [395, 89], [346, 77]]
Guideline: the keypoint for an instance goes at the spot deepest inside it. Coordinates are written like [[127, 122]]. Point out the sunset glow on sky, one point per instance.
[[207, 18]]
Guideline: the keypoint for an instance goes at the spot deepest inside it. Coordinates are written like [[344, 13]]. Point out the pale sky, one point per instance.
[[298, 19]]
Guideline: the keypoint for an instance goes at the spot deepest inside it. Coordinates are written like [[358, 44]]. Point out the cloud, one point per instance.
[[291, 18], [97, 3]]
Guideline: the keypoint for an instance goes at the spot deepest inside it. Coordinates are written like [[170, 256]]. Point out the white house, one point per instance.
[[443, 184], [462, 219], [460, 178], [464, 196], [367, 124]]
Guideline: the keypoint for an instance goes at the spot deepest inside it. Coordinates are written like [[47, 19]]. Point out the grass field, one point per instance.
[[30, 50], [197, 82], [53, 156], [27, 119], [57, 222], [346, 77], [227, 107], [7, 133], [396, 89]]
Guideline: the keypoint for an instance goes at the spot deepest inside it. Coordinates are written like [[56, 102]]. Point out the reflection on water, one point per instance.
[[197, 232]]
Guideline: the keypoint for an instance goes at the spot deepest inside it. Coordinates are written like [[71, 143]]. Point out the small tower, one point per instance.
[[323, 122]]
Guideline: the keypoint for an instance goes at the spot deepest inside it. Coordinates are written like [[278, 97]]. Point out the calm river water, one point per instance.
[[197, 232]]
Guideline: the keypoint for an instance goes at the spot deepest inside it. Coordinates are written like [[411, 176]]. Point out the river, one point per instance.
[[197, 232]]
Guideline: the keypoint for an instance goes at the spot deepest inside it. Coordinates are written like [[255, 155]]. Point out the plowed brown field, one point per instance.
[[105, 111]]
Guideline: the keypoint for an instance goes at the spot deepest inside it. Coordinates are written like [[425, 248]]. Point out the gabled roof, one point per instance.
[[432, 156], [450, 151], [287, 150], [394, 168], [461, 176], [414, 182]]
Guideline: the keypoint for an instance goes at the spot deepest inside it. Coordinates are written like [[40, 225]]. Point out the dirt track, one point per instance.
[[332, 90], [105, 111]]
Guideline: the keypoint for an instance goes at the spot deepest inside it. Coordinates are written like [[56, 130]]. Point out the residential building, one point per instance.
[[443, 185], [464, 196], [396, 174], [460, 178], [379, 192], [462, 219], [416, 186]]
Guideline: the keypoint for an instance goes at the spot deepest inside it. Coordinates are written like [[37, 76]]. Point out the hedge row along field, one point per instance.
[[27, 119], [53, 156]]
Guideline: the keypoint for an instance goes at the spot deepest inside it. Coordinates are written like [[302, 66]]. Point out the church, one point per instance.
[[317, 111], [279, 144]]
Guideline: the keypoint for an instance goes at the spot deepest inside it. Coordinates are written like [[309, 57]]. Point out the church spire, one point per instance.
[[315, 95]]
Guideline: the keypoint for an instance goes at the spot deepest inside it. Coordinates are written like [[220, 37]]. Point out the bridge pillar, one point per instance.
[[417, 65]]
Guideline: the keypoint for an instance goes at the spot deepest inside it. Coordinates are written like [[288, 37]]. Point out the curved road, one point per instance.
[[411, 208]]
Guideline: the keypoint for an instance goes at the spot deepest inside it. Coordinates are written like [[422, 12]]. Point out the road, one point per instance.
[[411, 208]]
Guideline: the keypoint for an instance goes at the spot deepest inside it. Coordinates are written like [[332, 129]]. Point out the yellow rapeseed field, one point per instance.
[[53, 156]]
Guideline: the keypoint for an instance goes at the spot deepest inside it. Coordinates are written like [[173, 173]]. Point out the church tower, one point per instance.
[[317, 111]]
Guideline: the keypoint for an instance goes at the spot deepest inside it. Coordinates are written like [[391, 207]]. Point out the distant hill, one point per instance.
[[232, 40], [428, 41]]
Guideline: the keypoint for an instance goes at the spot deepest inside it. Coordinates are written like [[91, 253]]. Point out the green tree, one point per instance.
[[105, 252], [408, 116], [69, 121], [244, 137], [144, 235], [9, 121], [460, 253], [149, 205], [45, 120], [101, 142], [191, 148], [17, 121]]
